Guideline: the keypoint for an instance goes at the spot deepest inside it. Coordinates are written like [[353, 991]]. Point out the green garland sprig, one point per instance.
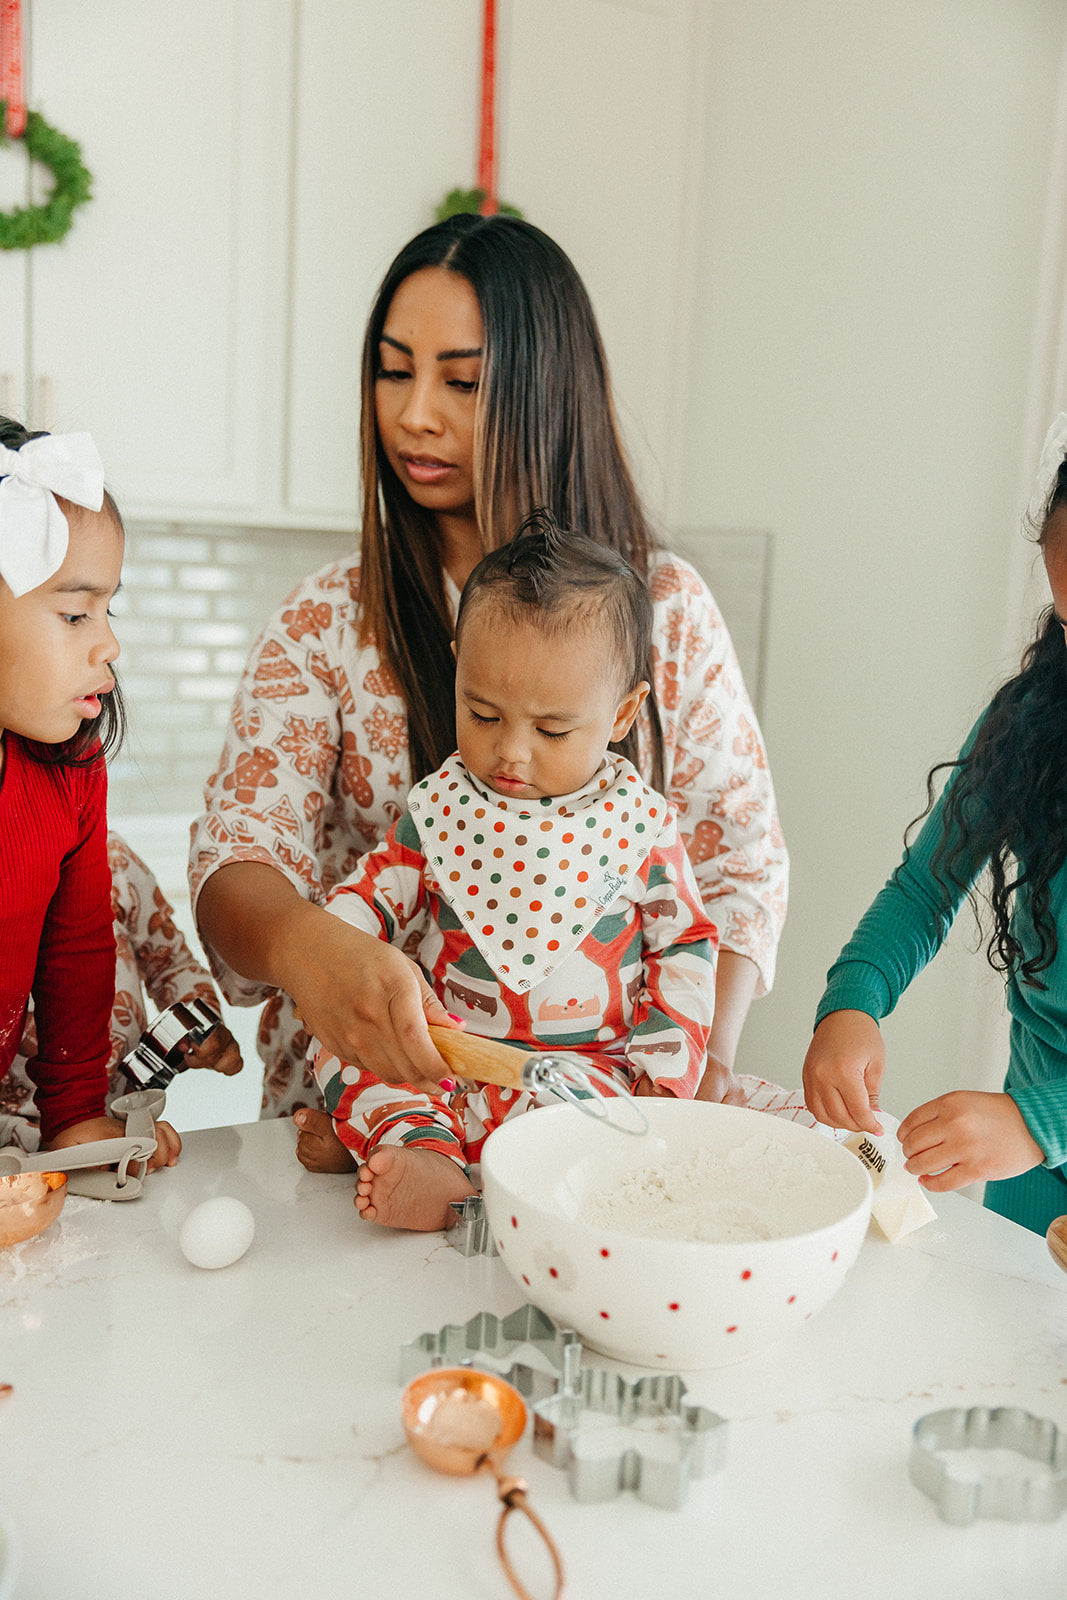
[[26, 226], [459, 201]]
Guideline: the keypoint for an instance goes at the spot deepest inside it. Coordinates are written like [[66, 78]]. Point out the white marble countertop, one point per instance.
[[214, 1435]]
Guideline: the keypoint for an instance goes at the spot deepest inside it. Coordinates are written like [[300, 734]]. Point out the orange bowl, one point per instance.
[[29, 1203]]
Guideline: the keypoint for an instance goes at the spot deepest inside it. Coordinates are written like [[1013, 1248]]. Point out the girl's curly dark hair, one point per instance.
[[100, 736], [1007, 803]]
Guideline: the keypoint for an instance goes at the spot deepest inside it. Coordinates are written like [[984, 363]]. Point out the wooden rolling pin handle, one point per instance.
[[1056, 1238], [484, 1060]]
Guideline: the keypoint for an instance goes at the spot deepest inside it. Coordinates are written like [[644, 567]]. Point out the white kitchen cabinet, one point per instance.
[[158, 323], [257, 163]]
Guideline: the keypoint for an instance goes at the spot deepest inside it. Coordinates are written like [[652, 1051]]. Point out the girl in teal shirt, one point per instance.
[[1004, 808]]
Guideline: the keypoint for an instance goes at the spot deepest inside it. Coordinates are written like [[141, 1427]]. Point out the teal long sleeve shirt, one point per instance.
[[906, 925]]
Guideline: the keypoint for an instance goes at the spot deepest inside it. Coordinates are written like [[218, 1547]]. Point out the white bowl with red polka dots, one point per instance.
[[665, 1303]]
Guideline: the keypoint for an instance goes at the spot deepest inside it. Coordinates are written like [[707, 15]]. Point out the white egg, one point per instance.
[[217, 1233]]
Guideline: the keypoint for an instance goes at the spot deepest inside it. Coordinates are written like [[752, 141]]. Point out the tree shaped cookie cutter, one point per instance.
[[1012, 1496], [609, 1435], [128, 1156], [526, 1348], [471, 1234]]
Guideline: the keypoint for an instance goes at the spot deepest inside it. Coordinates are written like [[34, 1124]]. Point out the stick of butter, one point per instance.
[[900, 1203]]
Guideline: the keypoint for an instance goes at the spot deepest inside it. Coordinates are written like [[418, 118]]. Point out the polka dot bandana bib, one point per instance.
[[529, 880]]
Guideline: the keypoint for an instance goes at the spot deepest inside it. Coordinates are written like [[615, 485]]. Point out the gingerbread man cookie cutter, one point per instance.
[[608, 1435], [1012, 1495]]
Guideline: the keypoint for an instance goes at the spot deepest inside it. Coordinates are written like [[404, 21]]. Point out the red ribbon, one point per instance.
[[487, 132], [11, 88]]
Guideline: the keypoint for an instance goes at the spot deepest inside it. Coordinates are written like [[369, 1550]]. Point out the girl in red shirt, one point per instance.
[[61, 548]]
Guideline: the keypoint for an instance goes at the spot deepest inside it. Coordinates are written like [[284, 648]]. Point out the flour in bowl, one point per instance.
[[760, 1189]]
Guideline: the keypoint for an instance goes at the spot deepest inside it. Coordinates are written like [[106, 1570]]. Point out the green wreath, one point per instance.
[[26, 226]]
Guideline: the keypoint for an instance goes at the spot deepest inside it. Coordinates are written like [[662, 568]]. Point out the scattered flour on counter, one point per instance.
[[758, 1190], [29, 1266]]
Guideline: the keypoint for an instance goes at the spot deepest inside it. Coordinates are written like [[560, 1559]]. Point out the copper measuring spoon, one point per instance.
[[460, 1421], [1056, 1239], [29, 1203]]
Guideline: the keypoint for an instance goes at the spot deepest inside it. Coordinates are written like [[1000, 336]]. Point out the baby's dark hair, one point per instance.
[[557, 580], [100, 736], [1006, 800]]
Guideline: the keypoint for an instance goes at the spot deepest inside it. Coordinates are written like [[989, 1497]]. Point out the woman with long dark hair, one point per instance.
[[485, 395], [1003, 810]]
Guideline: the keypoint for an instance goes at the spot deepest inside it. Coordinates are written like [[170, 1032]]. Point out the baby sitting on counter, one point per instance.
[[537, 880]]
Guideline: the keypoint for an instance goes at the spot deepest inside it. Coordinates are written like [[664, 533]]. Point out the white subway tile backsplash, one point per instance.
[[192, 603], [212, 634], [210, 579], [181, 548], [155, 603], [228, 661], [205, 689]]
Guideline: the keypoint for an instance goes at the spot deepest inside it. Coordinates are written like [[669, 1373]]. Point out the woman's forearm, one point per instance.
[[253, 916], [363, 1000], [735, 984]]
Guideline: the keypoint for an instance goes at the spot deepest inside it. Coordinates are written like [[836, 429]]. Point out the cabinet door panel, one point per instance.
[[386, 124], [158, 322]]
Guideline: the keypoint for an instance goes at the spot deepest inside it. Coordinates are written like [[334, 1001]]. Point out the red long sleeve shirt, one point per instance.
[[57, 941]]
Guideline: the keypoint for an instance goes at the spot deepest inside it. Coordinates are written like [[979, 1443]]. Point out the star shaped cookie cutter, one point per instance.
[[610, 1435], [1011, 1495], [526, 1348]]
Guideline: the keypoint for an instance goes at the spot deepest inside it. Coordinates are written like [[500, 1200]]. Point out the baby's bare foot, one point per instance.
[[402, 1186], [317, 1146]]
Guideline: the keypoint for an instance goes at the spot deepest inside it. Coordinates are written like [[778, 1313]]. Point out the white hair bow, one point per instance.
[[33, 530], [1052, 453]]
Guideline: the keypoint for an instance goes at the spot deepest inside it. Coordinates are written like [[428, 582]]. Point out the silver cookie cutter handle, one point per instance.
[[1009, 1496], [563, 1077], [129, 1156], [158, 1055]]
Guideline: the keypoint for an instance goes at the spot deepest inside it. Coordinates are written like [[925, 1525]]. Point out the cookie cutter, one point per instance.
[[471, 1234], [609, 1435], [1011, 1496], [526, 1348], [158, 1055], [128, 1156]]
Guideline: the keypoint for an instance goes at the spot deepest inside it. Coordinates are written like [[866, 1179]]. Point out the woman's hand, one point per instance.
[[366, 1002], [967, 1136], [168, 1144], [843, 1071]]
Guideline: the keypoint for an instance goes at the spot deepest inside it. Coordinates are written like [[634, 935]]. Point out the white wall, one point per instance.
[[870, 226]]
